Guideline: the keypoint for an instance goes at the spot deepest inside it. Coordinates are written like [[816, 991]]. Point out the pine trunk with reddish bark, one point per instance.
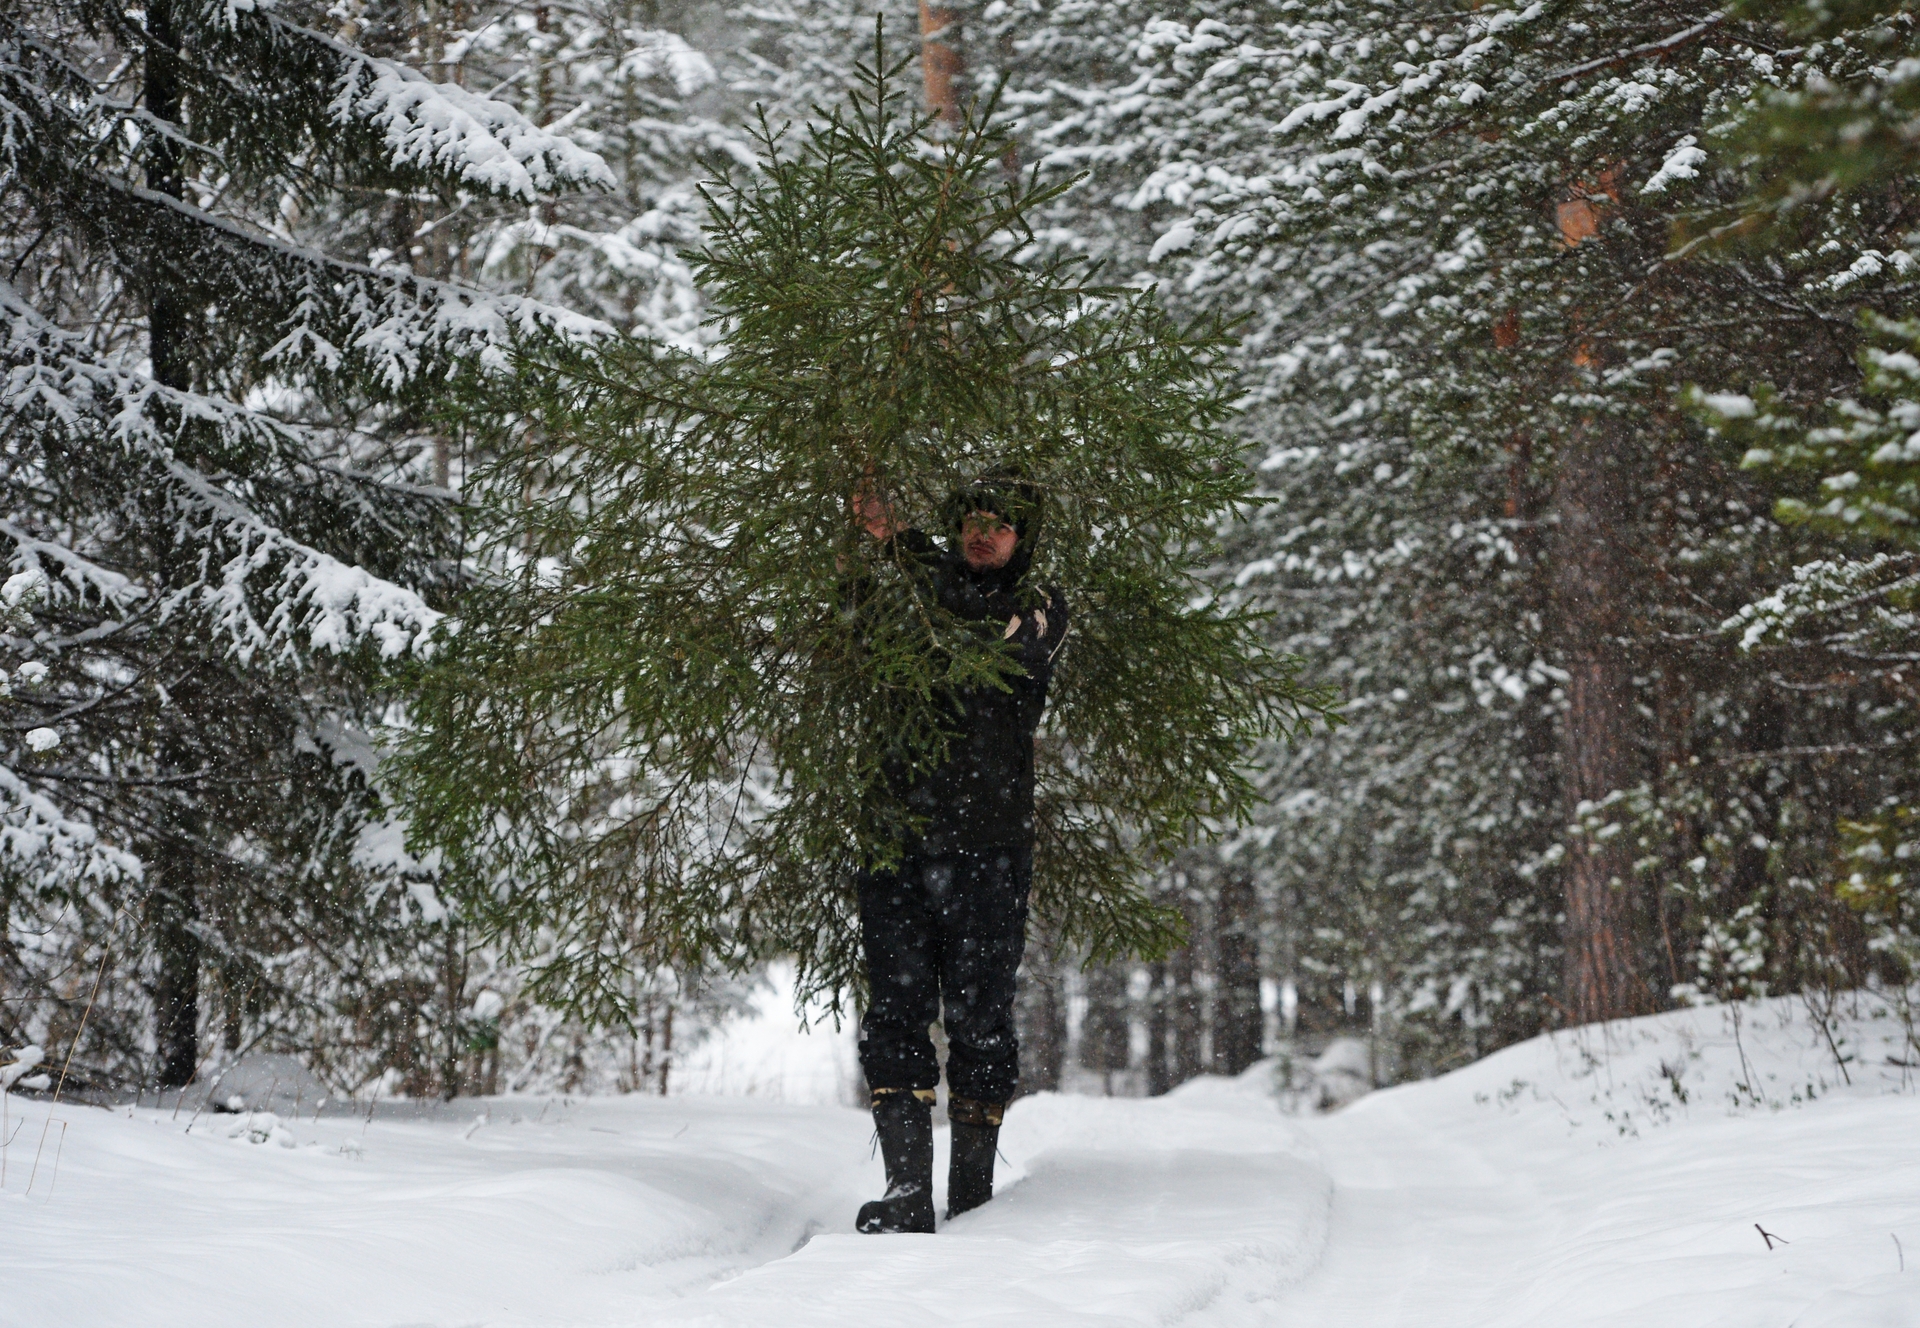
[[1592, 584]]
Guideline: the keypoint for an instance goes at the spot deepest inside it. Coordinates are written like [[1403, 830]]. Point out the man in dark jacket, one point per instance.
[[946, 927]]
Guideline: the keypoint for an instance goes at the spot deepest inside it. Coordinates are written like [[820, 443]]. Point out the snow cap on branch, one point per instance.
[[480, 141]]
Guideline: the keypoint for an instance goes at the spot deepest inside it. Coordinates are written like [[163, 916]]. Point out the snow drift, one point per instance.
[[1702, 1167]]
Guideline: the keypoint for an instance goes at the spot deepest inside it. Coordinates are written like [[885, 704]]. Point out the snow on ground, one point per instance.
[[1608, 1176], [771, 1054], [1622, 1175]]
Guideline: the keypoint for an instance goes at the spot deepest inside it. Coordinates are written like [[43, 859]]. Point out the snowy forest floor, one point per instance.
[[1612, 1175]]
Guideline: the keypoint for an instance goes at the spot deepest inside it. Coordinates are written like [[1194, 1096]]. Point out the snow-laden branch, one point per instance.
[[262, 590], [443, 127], [54, 564], [658, 52], [1682, 163], [1823, 587], [439, 128], [35, 833], [1640, 52], [336, 315], [391, 325], [333, 605]]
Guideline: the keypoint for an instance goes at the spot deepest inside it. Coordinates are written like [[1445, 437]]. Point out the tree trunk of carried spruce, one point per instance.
[[940, 60], [1237, 1020], [1592, 575]]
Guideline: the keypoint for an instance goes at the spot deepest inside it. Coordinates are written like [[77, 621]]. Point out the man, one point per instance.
[[946, 927]]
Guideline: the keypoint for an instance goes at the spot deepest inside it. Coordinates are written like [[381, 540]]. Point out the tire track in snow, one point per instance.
[[1419, 1221], [1201, 1207]]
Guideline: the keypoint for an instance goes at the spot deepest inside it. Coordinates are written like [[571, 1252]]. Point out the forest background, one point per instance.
[[1574, 373]]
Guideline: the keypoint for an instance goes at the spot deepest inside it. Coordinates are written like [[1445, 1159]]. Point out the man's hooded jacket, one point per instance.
[[981, 795]]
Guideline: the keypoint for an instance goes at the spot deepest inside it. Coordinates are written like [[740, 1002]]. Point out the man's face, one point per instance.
[[986, 541]]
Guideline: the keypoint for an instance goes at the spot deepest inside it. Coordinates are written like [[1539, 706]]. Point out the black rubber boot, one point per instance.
[[976, 1139], [904, 1120]]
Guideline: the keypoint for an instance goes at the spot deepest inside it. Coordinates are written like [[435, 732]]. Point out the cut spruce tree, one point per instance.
[[669, 710], [219, 517]]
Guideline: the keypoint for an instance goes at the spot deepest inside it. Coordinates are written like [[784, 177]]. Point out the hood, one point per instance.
[[1014, 501]]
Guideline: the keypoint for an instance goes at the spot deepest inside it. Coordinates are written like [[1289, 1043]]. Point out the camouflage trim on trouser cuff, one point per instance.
[[965, 1111], [926, 1095]]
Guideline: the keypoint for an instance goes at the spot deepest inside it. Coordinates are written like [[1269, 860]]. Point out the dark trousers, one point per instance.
[[945, 930]]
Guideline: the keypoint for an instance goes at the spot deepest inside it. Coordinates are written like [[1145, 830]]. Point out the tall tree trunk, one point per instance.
[[1159, 1071], [172, 912], [1766, 729], [1236, 1009], [1184, 1021], [666, 1048], [173, 907], [1592, 582], [1040, 1009], [1104, 1036], [160, 92], [233, 1009], [454, 1034], [940, 59]]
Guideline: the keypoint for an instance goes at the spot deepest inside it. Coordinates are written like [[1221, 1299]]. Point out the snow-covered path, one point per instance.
[[1600, 1179], [1118, 1212], [688, 1210]]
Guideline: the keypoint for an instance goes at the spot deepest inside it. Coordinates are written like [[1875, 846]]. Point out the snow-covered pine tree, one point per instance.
[[1851, 469], [1529, 166], [1449, 232], [218, 514], [1346, 561], [673, 551]]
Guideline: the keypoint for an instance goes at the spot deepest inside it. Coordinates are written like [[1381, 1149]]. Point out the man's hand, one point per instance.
[[1037, 639], [874, 513], [1039, 625]]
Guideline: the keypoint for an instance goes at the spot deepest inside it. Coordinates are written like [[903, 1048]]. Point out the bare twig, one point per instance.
[[60, 1087], [1832, 749], [1823, 1019], [1660, 47]]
